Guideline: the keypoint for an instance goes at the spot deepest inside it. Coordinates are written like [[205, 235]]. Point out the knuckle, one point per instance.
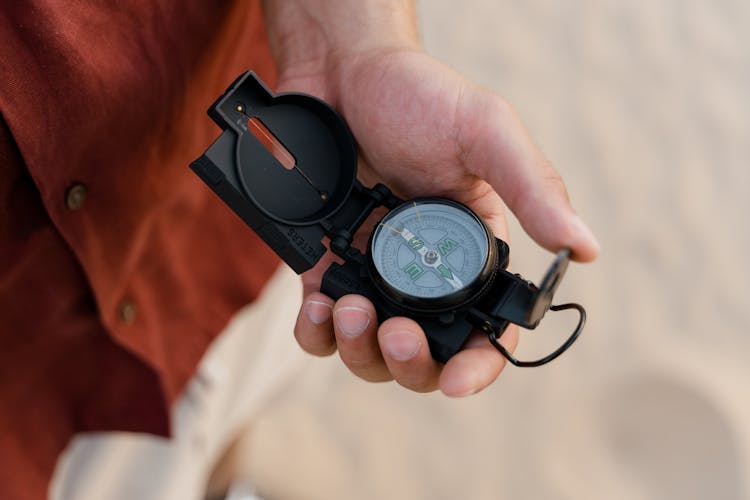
[[377, 377], [315, 343], [422, 384], [554, 180], [322, 351], [358, 362], [370, 370]]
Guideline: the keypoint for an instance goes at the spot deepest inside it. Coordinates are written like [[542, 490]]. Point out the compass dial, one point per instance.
[[431, 254]]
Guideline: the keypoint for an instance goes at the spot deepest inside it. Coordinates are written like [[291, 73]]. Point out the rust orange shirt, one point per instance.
[[117, 265]]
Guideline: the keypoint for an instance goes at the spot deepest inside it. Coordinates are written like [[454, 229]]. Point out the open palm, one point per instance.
[[423, 130]]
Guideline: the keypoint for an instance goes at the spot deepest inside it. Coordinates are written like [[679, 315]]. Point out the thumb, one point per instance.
[[495, 146]]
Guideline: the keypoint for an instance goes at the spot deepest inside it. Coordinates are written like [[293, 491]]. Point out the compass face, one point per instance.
[[431, 252]]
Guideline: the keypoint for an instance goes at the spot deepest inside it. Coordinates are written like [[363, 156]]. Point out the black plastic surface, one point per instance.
[[520, 301], [445, 338], [279, 203]]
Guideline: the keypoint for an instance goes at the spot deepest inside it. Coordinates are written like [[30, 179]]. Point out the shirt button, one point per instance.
[[75, 196], [126, 312]]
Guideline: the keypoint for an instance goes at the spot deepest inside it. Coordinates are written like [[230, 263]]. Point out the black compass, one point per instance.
[[286, 164], [432, 254]]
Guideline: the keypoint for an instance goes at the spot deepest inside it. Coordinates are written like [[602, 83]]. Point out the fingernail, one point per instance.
[[459, 392], [401, 346], [583, 231], [352, 321], [317, 312], [466, 393]]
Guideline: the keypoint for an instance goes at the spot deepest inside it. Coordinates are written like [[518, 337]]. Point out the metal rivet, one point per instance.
[[75, 196], [127, 312]]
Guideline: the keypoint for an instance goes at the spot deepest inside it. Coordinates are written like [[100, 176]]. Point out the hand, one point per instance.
[[422, 129]]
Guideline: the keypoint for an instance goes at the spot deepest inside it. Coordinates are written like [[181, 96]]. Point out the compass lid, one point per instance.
[[295, 158]]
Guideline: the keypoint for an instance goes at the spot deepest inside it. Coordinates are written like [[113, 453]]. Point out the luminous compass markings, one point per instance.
[[277, 149], [446, 246], [419, 217], [430, 258]]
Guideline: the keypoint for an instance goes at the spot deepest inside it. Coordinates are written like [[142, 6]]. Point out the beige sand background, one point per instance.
[[645, 109]]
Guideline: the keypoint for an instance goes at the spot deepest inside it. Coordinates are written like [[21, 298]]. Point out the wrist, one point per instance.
[[320, 38]]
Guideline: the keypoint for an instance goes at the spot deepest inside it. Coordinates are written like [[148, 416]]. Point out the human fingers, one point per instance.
[[404, 348], [355, 327], [495, 146], [314, 327], [477, 365]]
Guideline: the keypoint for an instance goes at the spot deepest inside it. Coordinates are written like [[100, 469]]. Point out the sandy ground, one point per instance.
[[645, 109]]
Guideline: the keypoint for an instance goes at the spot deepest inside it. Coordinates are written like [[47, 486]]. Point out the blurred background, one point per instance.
[[644, 107]]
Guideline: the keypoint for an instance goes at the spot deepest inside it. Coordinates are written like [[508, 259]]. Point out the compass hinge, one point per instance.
[[341, 241], [383, 196], [342, 226]]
